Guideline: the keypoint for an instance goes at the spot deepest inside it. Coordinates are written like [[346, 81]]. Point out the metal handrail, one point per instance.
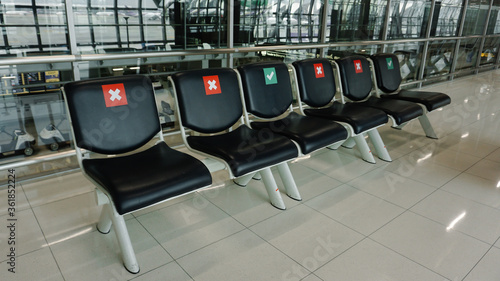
[[244, 49]]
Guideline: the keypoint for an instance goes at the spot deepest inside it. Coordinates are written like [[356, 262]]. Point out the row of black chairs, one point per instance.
[[118, 116]]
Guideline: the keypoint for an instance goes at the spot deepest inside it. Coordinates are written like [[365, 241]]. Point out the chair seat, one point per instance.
[[431, 100], [402, 111], [361, 118], [246, 150], [309, 132], [148, 177]]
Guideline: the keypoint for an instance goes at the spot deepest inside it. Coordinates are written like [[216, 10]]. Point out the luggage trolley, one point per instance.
[[14, 138], [51, 124]]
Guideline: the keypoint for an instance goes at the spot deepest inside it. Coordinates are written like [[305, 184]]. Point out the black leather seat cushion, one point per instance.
[[148, 177], [246, 150], [309, 132], [431, 100], [402, 111], [361, 118]]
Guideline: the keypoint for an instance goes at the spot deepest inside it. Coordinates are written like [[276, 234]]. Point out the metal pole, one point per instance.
[[326, 6], [460, 32], [497, 61], [485, 30], [230, 32], [423, 62], [385, 30], [72, 37]]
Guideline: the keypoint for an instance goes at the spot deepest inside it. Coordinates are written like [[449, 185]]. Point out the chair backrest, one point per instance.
[[315, 81], [112, 115], [387, 72], [209, 99], [266, 87], [355, 77]]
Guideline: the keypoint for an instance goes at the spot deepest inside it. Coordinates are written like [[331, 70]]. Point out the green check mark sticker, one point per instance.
[[270, 76], [390, 65]]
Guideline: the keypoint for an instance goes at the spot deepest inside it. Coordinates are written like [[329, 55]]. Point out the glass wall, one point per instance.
[[81, 39], [33, 27], [354, 20], [477, 12], [410, 56]]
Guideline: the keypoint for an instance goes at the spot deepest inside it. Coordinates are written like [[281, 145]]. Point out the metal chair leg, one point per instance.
[[401, 126], [128, 254], [289, 182], [244, 180], [336, 145], [366, 153], [379, 145], [272, 189], [426, 125], [104, 224], [349, 143]]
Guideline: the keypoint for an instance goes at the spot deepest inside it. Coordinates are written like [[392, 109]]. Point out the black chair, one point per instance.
[[388, 80], [268, 95], [118, 116], [209, 103], [316, 87], [356, 82]]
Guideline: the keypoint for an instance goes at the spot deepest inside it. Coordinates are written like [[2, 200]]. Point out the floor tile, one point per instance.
[[309, 182], [415, 166], [66, 218], [165, 204], [56, 188], [487, 268], [461, 214], [392, 187], [356, 209], [19, 199], [339, 165], [242, 256], [307, 237], [475, 188], [39, 265], [172, 270], [453, 159], [494, 156], [248, 205], [189, 226], [312, 277], [487, 169], [96, 256], [406, 140], [461, 142], [24, 234], [369, 260], [497, 244], [448, 253]]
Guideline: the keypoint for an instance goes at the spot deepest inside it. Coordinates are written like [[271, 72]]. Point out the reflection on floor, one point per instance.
[[431, 214]]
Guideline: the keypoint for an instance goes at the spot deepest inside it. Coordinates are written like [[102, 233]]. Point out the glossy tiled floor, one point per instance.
[[431, 214]]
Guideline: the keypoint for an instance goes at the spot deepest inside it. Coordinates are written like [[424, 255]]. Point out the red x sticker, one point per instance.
[[212, 85], [357, 66], [318, 70], [114, 95]]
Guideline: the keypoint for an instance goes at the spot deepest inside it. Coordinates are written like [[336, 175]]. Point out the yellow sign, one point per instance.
[[52, 76]]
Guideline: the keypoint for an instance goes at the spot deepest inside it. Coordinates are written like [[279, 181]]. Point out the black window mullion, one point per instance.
[[4, 30], [141, 21], [91, 23], [37, 24], [117, 24]]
